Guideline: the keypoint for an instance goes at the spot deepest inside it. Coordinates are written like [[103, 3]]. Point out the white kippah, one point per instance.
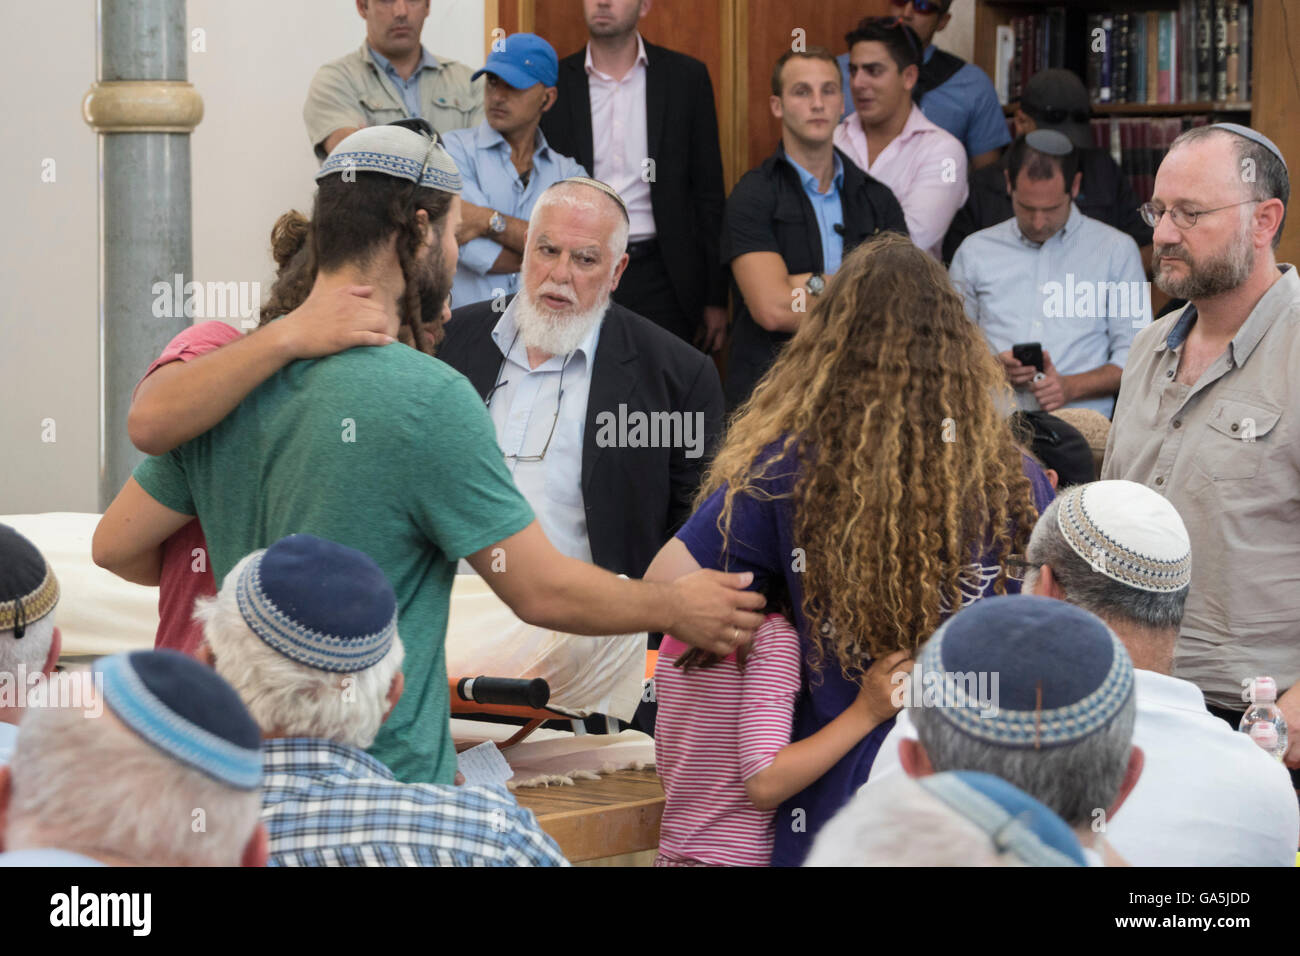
[[1127, 532], [395, 151]]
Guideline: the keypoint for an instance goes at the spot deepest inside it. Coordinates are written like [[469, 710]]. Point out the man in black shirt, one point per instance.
[[1057, 100], [789, 222]]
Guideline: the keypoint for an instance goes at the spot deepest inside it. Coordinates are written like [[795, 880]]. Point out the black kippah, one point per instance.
[[28, 588]]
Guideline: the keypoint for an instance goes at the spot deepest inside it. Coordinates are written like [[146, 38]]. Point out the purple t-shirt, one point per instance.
[[762, 541]]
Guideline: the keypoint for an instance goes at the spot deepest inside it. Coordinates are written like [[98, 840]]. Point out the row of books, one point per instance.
[[1197, 53], [1138, 144], [1038, 41]]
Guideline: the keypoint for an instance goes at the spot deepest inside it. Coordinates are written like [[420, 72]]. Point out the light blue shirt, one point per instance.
[[829, 211], [966, 105], [46, 857], [523, 408], [8, 739], [1082, 294], [490, 179], [409, 90]]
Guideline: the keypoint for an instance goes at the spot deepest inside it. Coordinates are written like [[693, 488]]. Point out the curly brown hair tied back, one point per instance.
[[350, 222], [888, 399]]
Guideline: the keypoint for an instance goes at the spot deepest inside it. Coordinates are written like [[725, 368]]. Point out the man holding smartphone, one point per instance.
[[1058, 295]]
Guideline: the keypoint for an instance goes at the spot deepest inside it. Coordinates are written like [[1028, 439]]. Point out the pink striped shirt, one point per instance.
[[717, 726]]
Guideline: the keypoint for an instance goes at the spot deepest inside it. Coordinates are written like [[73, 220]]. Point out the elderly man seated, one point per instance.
[[149, 760], [1208, 795], [29, 641], [945, 819], [1031, 690], [306, 631]]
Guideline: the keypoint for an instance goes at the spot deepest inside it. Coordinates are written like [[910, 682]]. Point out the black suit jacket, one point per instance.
[[687, 192], [635, 498]]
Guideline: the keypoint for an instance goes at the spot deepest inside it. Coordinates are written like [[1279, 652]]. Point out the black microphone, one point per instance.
[[514, 691], [839, 228]]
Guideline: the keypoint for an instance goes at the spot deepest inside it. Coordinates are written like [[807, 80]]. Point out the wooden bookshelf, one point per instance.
[[1156, 109], [1275, 85]]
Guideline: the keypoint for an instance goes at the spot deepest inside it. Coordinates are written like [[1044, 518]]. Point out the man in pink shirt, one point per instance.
[[889, 137], [166, 412]]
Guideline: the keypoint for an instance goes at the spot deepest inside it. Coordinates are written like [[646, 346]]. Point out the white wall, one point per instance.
[[958, 37], [251, 161]]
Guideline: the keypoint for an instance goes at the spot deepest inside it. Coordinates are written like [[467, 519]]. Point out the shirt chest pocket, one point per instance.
[[1235, 439], [381, 110], [452, 112]]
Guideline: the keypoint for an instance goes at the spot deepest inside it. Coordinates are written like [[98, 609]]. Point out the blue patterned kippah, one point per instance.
[[394, 151], [186, 711], [1057, 673], [1015, 822], [319, 603]]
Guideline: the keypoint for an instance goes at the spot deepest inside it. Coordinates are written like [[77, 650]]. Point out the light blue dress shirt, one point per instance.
[[1083, 294], [523, 408], [490, 179], [830, 213], [966, 105], [408, 89], [45, 857], [8, 739]]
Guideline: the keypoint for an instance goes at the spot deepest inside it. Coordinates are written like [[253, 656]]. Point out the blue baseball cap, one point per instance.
[[522, 60]]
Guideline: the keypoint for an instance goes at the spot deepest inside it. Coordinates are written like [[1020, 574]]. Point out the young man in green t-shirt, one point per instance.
[[390, 451]]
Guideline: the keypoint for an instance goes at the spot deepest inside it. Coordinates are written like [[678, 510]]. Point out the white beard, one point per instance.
[[555, 333]]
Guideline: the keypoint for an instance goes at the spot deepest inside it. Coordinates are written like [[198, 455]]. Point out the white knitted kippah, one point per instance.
[[395, 151], [1127, 532]]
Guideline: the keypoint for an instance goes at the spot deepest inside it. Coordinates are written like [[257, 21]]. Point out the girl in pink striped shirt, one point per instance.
[[722, 741]]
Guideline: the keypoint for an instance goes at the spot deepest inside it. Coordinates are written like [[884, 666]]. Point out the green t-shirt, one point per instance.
[[385, 450]]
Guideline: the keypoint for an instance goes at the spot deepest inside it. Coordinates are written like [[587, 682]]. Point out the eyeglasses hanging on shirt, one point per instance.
[[559, 395]]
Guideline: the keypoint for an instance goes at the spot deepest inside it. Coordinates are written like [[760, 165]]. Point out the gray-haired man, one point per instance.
[[1033, 691]]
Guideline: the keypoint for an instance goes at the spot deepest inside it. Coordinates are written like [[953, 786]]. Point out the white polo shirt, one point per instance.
[[1208, 795]]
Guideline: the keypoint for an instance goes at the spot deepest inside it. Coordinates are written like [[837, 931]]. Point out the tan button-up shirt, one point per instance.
[[1226, 453], [353, 91]]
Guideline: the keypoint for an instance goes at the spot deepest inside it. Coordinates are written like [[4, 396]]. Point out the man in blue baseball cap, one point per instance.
[[506, 164]]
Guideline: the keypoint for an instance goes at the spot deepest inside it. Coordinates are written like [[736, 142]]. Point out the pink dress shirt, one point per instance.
[[619, 139], [924, 166]]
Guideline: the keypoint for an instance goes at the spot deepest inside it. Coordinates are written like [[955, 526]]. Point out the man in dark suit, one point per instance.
[[606, 421], [641, 118]]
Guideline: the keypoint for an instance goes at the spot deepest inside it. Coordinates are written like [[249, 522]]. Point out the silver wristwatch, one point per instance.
[[497, 223], [816, 284]]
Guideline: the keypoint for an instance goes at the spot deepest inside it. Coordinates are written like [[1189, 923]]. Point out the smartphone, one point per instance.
[[1028, 353]]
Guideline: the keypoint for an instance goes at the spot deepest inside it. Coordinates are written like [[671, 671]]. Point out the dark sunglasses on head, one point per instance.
[[923, 7]]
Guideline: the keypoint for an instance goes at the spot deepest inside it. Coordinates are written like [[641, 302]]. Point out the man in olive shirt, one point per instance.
[[1209, 408], [391, 77]]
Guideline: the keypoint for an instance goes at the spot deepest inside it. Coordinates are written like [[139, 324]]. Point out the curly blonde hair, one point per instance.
[[887, 399]]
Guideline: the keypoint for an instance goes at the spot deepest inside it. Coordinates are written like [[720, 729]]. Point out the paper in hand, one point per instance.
[[484, 764]]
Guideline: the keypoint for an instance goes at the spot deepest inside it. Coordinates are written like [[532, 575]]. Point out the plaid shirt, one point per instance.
[[328, 804]]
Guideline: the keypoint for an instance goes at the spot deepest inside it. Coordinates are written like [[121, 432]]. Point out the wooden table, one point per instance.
[[617, 814]]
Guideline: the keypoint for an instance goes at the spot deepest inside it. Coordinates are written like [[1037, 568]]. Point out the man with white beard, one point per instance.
[[1208, 409], [606, 420]]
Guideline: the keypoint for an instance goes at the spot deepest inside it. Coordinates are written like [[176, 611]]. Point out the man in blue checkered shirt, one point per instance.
[[306, 632]]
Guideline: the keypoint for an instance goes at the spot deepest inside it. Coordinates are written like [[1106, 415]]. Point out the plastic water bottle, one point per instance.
[[1263, 721]]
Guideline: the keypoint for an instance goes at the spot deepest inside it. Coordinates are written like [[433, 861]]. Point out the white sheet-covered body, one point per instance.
[[99, 613]]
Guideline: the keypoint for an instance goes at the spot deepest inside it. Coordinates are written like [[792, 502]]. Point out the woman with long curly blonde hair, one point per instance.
[[874, 468]]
